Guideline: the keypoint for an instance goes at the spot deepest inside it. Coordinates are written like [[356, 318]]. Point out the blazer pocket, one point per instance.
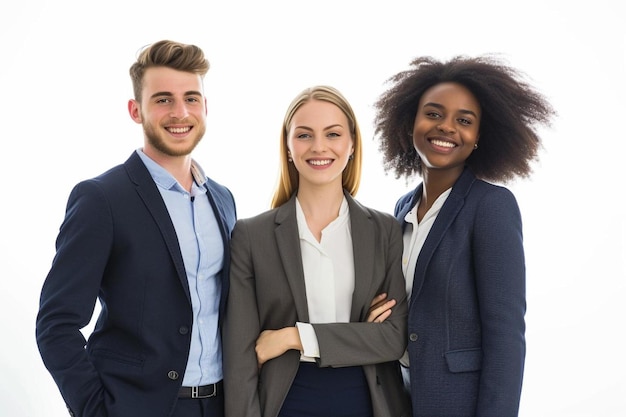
[[464, 360], [112, 357]]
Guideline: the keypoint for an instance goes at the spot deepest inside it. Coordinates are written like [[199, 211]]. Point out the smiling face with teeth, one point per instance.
[[446, 126], [172, 112], [320, 143]]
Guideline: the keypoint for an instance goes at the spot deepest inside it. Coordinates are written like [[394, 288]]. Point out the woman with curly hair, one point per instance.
[[459, 124]]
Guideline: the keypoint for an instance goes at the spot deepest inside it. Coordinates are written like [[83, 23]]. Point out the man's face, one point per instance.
[[172, 111]]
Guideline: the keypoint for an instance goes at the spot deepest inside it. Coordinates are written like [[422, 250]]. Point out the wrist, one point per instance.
[[293, 338]]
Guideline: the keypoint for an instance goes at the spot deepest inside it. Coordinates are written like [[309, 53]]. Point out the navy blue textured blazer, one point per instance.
[[466, 313], [117, 243]]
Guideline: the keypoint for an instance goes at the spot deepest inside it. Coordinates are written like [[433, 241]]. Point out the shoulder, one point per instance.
[[131, 172], [218, 188], [380, 218], [109, 182], [492, 204], [405, 199], [405, 202], [259, 221], [468, 186], [222, 195], [491, 194]]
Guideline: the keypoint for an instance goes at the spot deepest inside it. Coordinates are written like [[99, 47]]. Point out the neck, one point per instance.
[[178, 166], [435, 183], [320, 206]]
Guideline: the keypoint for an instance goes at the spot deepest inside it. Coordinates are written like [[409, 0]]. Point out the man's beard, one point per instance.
[[155, 139]]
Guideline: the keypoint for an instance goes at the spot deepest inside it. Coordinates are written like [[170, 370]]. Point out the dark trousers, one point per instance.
[[200, 407], [328, 392]]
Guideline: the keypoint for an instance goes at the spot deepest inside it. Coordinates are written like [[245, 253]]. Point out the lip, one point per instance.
[[179, 130], [442, 143], [320, 163]]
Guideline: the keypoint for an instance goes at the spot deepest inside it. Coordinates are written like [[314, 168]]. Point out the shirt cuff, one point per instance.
[[308, 338]]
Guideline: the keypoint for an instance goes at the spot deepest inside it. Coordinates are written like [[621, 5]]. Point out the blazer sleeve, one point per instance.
[[69, 295], [362, 343], [500, 281], [241, 329]]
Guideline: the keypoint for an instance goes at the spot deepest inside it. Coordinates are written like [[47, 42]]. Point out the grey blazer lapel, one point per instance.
[[288, 241], [363, 244]]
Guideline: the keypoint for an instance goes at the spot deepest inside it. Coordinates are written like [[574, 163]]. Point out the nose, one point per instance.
[[179, 110], [318, 144], [445, 126]]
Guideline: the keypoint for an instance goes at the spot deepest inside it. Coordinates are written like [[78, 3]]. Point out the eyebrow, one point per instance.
[[168, 94], [439, 106], [326, 128]]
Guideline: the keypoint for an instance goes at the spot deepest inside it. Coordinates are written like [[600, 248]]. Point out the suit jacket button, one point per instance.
[[173, 375], [413, 337], [183, 330]]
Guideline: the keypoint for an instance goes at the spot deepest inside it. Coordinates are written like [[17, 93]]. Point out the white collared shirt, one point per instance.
[[328, 276]]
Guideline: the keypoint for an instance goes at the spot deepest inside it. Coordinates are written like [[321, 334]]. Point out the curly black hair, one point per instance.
[[510, 109]]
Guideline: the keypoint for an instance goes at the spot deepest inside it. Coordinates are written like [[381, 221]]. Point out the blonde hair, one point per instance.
[[288, 179]]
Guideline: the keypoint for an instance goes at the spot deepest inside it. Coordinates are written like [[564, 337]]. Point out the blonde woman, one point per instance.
[[297, 341]]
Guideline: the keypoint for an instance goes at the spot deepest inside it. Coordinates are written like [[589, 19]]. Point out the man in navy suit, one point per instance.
[[149, 239]]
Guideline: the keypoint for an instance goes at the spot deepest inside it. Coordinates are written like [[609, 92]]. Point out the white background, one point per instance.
[[64, 85]]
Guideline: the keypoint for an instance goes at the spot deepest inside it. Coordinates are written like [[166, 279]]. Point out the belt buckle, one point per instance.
[[195, 392]]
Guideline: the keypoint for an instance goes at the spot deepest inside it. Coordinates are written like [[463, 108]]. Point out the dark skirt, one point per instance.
[[328, 392]]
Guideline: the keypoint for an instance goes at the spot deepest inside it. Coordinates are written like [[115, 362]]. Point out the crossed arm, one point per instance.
[[273, 343]]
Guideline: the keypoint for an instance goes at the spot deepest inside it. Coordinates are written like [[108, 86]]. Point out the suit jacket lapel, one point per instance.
[[407, 207], [446, 216], [218, 204], [148, 192], [288, 241], [363, 244]]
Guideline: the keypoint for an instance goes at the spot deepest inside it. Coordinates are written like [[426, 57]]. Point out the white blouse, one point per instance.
[[328, 276]]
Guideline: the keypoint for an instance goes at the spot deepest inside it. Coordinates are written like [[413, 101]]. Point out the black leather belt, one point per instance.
[[204, 391]]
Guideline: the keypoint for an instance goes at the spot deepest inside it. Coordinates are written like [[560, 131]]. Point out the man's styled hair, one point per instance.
[[170, 54]]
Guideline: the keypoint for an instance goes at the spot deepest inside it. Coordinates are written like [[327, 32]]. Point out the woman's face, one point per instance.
[[446, 126], [320, 143]]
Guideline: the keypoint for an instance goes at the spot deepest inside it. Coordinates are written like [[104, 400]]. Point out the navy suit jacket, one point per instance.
[[466, 313], [117, 243]]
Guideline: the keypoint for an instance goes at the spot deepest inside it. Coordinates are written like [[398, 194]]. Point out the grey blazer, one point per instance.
[[267, 291]]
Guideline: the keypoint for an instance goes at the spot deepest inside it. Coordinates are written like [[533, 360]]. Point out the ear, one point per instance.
[[134, 110]]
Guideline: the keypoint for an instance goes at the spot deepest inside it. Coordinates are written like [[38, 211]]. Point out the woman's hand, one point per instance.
[[380, 308], [273, 343]]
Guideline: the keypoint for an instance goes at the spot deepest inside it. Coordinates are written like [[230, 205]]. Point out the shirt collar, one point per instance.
[[411, 216], [164, 179], [303, 228]]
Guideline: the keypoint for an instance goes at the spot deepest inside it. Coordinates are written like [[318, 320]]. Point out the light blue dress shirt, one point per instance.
[[202, 248]]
